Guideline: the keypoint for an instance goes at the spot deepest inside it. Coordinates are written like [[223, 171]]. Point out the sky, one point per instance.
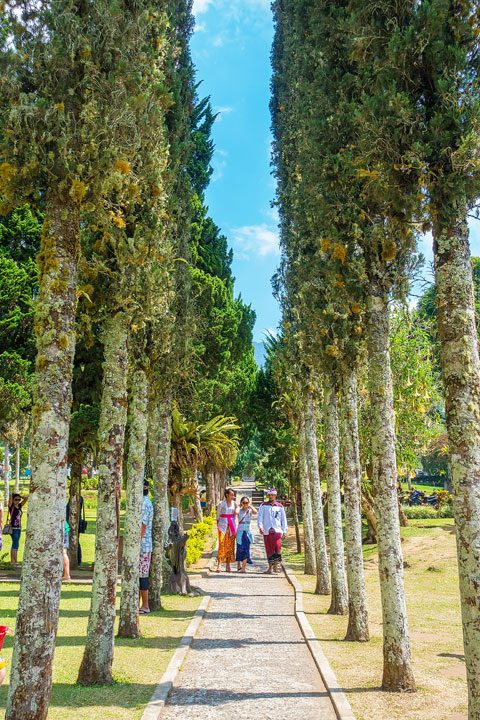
[[231, 50]]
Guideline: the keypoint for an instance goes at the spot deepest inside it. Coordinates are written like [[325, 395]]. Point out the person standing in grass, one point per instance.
[[272, 523], [244, 534], [145, 549], [15, 511]]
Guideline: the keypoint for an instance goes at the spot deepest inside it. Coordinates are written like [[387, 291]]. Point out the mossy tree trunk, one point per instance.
[[17, 468], [159, 434], [74, 508], [39, 596], [210, 487], [339, 602], [397, 668], [6, 473], [321, 557], [308, 535], [96, 666], [461, 376], [137, 445], [357, 597]]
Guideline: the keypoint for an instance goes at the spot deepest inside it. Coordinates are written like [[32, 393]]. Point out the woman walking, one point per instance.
[[227, 512], [15, 512], [244, 534]]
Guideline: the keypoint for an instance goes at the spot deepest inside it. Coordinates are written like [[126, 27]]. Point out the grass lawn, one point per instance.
[[431, 583], [138, 665]]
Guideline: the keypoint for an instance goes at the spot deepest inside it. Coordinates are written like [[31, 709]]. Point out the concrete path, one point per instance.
[[249, 660]]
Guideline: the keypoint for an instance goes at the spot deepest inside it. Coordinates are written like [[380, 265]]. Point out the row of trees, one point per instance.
[[121, 299], [375, 112]]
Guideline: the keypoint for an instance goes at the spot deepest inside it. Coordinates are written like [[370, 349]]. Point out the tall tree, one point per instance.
[[450, 99]]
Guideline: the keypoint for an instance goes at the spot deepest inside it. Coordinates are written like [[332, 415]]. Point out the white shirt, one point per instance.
[[272, 517]]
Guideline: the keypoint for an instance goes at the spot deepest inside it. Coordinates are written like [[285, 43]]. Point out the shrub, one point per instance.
[[197, 536], [426, 512]]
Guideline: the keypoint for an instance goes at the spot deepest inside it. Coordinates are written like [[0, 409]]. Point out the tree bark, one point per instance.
[[339, 602], [197, 507], [17, 469], [397, 668], [210, 487], [74, 509], [137, 445], [461, 377], [357, 597], [295, 521], [308, 535], [321, 557], [6, 473], [39, 597], [159, 434], [96, 666]]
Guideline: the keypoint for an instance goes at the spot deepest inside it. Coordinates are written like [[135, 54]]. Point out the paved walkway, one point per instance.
[[249, 660]]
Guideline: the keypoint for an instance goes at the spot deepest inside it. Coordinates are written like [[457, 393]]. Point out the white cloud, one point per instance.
[[223, 110], [201, 6], [260, 240], [219, 163]]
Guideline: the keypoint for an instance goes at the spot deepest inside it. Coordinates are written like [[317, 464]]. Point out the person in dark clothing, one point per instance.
[[15, 512]]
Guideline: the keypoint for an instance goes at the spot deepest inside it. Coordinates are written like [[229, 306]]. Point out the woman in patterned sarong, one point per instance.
[[227, 512]]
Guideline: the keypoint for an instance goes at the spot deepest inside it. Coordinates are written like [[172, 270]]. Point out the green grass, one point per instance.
[[138, 664], [431, 588]]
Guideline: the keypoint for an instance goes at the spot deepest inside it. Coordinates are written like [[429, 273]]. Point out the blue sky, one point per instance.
[[231, 50]]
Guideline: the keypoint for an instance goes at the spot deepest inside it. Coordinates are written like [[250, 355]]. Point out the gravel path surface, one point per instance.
[[249, 660]]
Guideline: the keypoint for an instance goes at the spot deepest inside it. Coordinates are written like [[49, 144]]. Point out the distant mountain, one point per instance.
[[260, 353]]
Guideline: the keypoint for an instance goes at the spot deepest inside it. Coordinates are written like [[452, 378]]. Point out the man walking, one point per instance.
[[272, 523]]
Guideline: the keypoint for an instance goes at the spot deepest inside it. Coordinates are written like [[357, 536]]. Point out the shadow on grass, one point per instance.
[[117, 694], [452, 655]]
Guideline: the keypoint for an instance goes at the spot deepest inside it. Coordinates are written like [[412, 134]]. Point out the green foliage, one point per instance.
[[197, 536], [426, 512]]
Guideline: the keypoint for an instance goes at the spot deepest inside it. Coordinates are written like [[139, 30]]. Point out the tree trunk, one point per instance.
[[159, 434], [401, 515], [96, 667], [74, 508], [357, 597], [461, 376], [17, 469], [6, 473], [197, 507], [295, 521], [339, 602], [368, 507], [210, 486], [397, 669], [321, 558], [37, 616], [308, 535], [137, 445]]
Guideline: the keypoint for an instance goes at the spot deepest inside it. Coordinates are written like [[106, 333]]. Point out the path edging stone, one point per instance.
[[157, 701], [339, 700]]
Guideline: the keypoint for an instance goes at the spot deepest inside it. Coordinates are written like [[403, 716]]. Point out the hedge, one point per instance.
[[197, 536]]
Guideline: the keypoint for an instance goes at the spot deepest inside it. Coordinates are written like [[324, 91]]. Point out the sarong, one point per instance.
[[226, 546], [243, 549], [273, 546]]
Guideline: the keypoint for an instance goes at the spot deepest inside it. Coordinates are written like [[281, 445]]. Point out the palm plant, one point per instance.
[[208, 446]]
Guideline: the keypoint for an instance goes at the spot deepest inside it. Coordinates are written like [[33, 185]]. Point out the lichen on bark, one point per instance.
[[397, 667], [39, 596], [350, 449], [461, 376], [159, 433], [96, 666], [321, 558], [339, 601], [308, 534], [137, 443]]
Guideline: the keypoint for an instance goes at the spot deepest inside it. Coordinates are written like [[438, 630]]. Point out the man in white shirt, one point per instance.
[[272, 523]]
